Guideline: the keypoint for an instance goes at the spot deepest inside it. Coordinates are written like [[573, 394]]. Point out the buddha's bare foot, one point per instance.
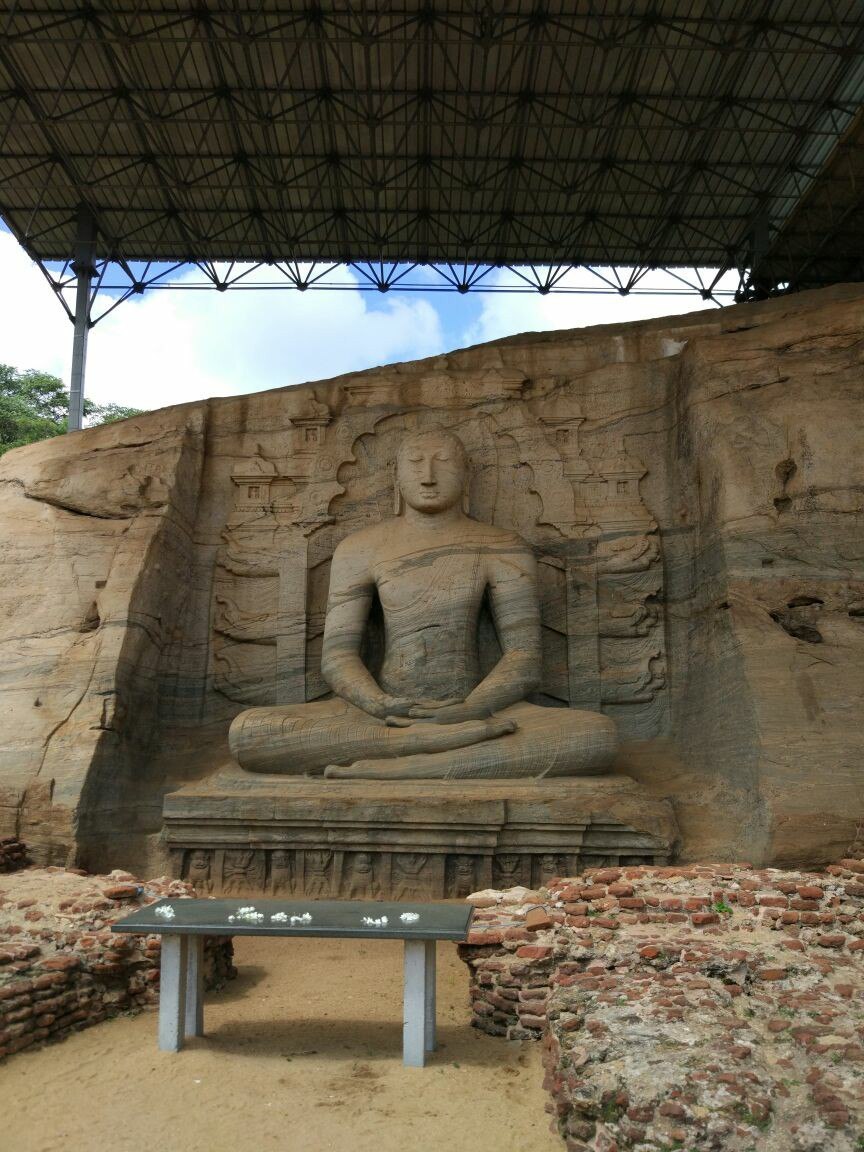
[[358, 768], [406, 768]]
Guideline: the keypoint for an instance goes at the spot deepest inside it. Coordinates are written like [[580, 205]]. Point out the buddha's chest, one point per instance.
[[434, 586]]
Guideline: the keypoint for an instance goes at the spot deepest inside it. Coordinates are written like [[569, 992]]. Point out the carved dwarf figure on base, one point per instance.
[[361, 878], [433, 715]]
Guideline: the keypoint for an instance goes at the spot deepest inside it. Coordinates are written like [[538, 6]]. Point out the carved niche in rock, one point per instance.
[[579, 507]]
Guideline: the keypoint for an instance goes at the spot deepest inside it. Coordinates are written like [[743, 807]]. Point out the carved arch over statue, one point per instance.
[[597, 547]]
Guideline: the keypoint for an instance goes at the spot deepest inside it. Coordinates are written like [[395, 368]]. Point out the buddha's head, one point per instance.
[[431, 469]]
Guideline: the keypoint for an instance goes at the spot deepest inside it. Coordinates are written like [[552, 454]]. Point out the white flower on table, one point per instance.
[[284, 918], [247, 913], [371, 922], [410, 917], [166, 911]]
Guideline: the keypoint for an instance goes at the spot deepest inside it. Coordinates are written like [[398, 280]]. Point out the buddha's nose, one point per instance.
[[427, 478]]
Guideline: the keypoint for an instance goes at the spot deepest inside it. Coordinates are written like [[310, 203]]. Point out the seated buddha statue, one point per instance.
[[431, 714]]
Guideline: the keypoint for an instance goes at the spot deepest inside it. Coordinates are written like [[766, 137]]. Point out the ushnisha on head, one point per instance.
[[431, 470]]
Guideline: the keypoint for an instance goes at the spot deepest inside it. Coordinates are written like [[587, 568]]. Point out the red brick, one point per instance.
[[476, 936], [702, 919], [620, 889], [810, 892], [534, 951], [538, 918], [793, 945], [517, 934], [835, 941], [671, 1108], [772, 973], [60, 963], [122, 891]]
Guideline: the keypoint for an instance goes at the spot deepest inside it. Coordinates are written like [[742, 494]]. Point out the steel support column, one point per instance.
[[83, 266]]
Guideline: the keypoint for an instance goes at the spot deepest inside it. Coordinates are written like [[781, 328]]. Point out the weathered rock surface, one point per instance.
[[705, 1008], [62, 968], [692, 488]]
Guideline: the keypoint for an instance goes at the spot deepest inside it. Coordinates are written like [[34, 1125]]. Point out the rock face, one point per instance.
[[691, 488]]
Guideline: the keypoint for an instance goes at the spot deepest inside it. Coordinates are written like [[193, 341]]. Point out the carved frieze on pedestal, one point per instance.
[[251, 837]]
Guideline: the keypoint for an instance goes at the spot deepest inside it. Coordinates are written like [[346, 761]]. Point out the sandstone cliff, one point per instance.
[[700, 478]]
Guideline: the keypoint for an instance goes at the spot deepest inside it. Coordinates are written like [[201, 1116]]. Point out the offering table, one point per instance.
[[183, 924]]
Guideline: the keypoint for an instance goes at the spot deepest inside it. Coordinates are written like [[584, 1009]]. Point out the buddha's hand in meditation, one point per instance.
[[452, 712], [418, 711], [386, 707]]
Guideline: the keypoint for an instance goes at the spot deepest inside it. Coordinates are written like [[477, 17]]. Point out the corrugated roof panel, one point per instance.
[[661, 120]]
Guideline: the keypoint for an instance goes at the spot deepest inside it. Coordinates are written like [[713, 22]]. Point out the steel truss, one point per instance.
[[111, 282], [460, 145]]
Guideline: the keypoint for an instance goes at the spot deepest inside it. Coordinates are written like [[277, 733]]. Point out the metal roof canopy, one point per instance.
[[538, 135]]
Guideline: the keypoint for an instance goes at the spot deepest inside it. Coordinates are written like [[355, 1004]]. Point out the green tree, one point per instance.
[[34, 405]]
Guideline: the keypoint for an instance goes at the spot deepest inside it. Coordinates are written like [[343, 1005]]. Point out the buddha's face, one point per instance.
[[430, 471]]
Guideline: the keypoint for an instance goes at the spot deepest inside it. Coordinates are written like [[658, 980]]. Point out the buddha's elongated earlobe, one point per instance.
[[397, 495]]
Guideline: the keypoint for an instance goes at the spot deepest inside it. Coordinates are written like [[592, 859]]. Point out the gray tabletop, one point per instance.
[[436, 921]]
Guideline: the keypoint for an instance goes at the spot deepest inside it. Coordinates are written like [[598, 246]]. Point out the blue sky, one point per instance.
[[167, 347]]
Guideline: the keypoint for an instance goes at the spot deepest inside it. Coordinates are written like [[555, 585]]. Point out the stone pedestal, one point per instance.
[[253, 835]]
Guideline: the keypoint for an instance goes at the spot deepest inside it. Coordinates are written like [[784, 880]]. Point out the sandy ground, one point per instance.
[[302, 1052]]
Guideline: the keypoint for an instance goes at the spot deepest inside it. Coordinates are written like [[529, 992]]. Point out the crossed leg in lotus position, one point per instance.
[[335, 738]]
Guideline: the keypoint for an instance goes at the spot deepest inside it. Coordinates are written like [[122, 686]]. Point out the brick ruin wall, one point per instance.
[[61, 967], [13, 854], [699, 1008]]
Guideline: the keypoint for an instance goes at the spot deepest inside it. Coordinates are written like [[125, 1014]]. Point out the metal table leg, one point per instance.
[[194, 1014], [419, 1002], [172, 991], [429, 996]]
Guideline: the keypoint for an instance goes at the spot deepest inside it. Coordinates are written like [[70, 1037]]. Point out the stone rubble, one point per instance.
[[701, 1008], [61, 967], [13, 854]]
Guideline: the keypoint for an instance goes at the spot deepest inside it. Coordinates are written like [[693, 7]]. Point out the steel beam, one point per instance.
[[84, 268]]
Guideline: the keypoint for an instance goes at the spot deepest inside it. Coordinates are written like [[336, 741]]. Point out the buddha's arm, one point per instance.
[[512, 582], [512, 575], [348, 603]]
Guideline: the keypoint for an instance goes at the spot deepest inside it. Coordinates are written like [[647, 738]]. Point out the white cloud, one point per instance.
[[166, 347], [34, 330], [506, 313]]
